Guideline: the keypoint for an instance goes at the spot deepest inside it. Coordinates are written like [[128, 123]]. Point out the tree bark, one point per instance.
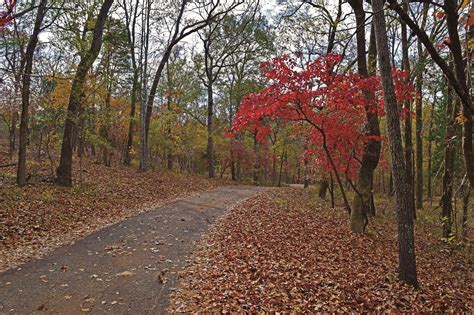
[[305, 169], [131, 20], [406, 239], [408, 123], [419, 117], [448, 175], [361, 204], [12, 134], [256, 166], [210, 137], [25, 93], [323, 188], [143, 166], [131, 127], [430, 147], [64, 170], [465, 209]]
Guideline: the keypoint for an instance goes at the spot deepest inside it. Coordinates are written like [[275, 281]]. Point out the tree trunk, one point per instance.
[[175, 38], [419, 117], [131, 20], [452, 18], [323, 188], [465, 208], [336, 173], [40, 143], [430, 147], [281, 164], [305, 173], [238, 172], [406, 239], [169, 156], [232, 170], [143, 166], [256, 165], [25, 93], [105, 130], [210, 137], [64, 171], [331, 191], [408, 123], [12, 134], [448, 175], [361, 205], [151, 97], [131, 127]]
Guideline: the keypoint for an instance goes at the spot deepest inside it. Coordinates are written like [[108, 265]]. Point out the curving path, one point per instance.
[[127, 268]]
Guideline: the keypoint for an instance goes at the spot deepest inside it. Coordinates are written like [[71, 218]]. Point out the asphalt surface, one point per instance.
[[127, 268]]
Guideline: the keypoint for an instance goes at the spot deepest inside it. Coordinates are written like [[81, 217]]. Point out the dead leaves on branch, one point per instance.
[[278, 252]]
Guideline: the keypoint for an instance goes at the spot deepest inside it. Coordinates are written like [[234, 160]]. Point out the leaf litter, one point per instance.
[[38, 218], [281, 251]]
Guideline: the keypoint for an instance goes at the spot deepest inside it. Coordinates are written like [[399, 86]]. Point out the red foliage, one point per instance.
[[332, 105], [6, 13]]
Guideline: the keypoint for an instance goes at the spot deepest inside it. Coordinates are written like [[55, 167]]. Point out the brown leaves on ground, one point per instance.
[[40, 217], [280, 251]]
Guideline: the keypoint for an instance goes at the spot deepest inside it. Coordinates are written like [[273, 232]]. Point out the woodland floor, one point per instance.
[[284, 251], [40, 217]]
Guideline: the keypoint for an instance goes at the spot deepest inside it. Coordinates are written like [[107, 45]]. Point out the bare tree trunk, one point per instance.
[[430, 147], [232, 170], [256, 166], [12, 134], [169, 156], [131, 126], [331, 191], [406, 238], [305, 172], [238, 172], [25, 93], [210, 137], [323, 188], [362, 202], [408, 123], [336, 173], [465, 208], [452, 18], [448, 176], [64, 171], [144, 83], [40, 143], [419, 117], [130, 20], [281, 163]]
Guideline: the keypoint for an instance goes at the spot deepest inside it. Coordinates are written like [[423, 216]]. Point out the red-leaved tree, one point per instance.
[[332, 106]]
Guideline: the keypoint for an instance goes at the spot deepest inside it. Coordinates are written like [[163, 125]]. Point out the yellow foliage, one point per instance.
[[60, 94]]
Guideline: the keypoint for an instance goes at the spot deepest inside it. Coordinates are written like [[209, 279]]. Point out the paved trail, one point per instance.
[[127, 268]]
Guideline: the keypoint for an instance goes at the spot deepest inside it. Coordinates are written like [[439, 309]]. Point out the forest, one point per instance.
[[331, 141]]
